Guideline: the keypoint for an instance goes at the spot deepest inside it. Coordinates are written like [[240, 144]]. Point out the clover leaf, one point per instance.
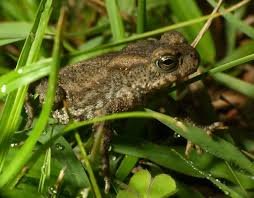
[[142, 185]]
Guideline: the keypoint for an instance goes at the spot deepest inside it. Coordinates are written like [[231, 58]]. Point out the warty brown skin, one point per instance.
[[121, 80]]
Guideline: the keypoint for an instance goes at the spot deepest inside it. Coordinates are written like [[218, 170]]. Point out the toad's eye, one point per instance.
[[167, 63]]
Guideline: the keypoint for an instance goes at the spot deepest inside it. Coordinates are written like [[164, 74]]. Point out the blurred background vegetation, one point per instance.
[[95, 27]]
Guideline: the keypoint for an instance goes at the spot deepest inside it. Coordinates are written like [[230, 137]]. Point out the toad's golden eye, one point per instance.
[[167, 63]]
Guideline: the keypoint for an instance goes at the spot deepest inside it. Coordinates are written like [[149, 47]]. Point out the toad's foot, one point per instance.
[[209, 130]]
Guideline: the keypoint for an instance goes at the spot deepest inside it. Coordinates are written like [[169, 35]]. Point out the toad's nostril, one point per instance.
[[193, 55], [180, 61]]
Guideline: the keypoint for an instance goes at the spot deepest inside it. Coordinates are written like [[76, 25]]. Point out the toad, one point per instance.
[[120, 81]]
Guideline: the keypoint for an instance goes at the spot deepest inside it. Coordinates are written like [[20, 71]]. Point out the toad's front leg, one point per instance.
[[101, 144], [103, 134]]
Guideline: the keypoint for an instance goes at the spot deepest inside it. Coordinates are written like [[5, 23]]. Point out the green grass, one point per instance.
[[32, 41], [14, 103]]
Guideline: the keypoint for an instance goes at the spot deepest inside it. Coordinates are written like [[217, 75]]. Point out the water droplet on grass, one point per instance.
[[59, 147], [14, 144], [3, 88], [20, 71], [52, 190], [176, 135]]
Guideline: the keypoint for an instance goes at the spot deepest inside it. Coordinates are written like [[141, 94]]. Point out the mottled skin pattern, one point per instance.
[[120, 81]]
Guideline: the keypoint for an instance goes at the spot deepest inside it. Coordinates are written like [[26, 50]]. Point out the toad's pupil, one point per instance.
[[167, 63]]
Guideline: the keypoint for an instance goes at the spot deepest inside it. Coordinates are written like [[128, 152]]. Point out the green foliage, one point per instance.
[[206, 46], [30, 39], [10, 116], [7, 35], [142, 185]]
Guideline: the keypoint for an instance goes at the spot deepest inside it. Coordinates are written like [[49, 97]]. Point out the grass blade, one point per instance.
[[127, 164], [14, 30], [88, 167], [227, 191], [14, 102], [232, 82], [236, 84], [16, 79], [26, 150], [212, 145], [141, 17], [115, 20], [13, 10]]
